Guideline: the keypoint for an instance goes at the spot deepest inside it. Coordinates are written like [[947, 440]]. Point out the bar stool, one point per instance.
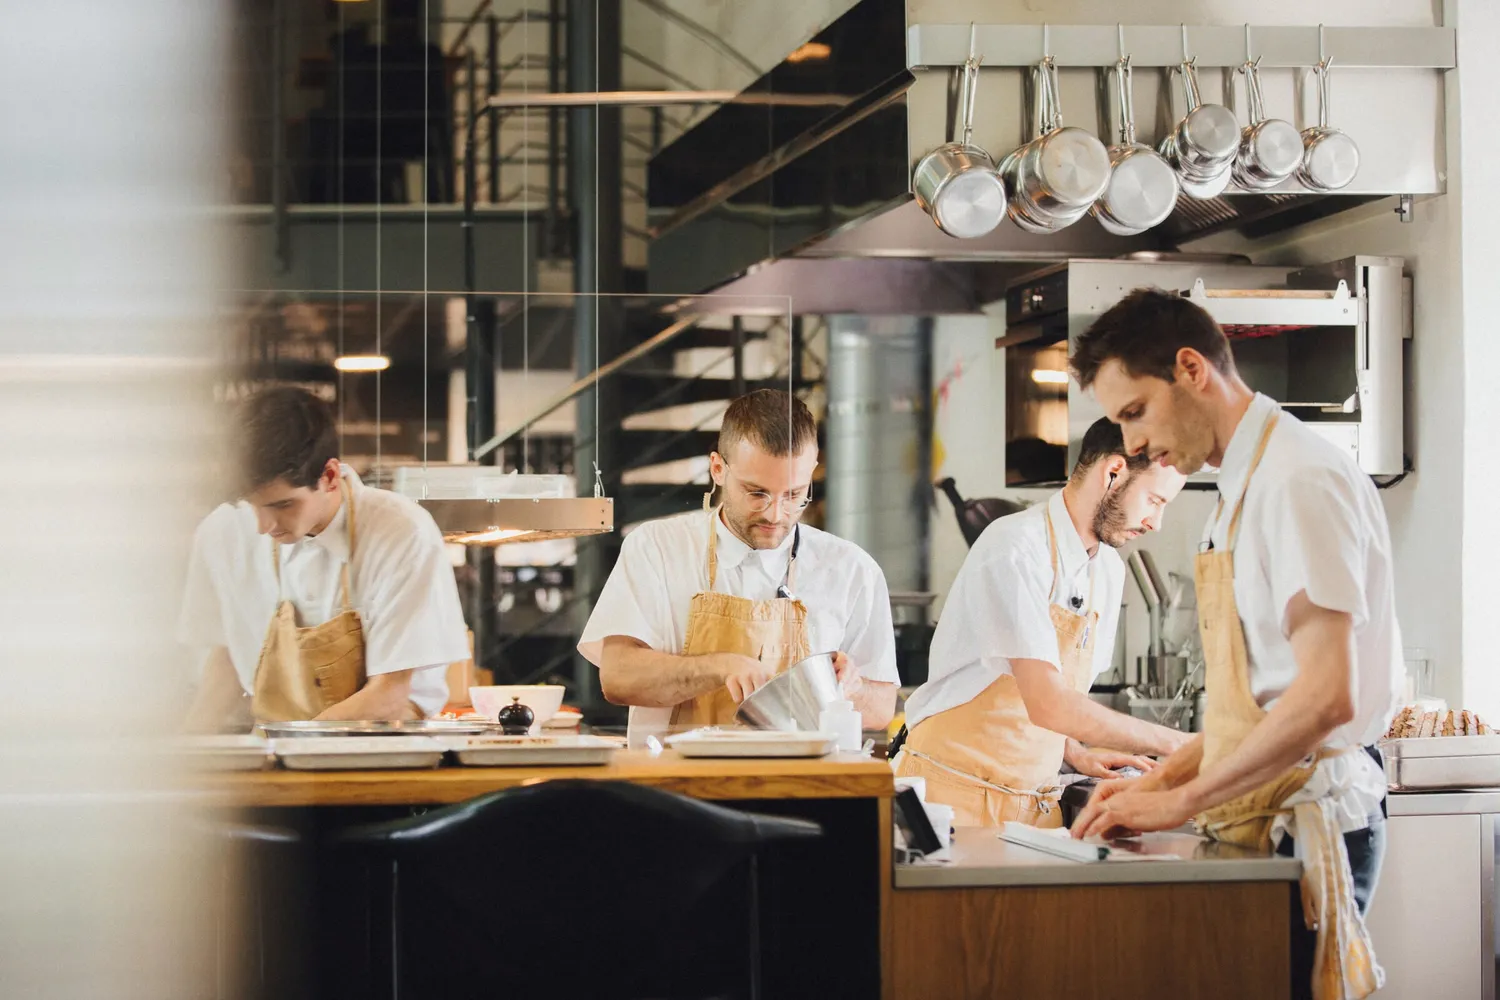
[[569, 888], [257, 879]]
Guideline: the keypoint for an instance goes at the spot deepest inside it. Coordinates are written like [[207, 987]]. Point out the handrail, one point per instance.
[[581, 386]]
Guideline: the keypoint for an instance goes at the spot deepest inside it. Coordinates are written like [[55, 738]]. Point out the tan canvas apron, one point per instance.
[[1344, 963], [986, 758], [303, 671], [773, 631]]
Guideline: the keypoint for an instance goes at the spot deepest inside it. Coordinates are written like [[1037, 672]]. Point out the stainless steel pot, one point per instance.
[[1270, 148], [1204, 143], [1330, 158], [792, 700], [957, 183], [1142, 188], [1055, 178]]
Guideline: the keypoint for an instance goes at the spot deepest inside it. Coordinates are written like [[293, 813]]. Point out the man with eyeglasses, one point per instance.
[[704, 608]]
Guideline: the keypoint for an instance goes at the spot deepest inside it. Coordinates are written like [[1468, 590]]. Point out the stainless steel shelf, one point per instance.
[[1233, 307], [931, 46]]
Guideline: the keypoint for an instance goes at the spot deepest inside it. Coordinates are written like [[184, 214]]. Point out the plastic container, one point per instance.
[[843, 721]]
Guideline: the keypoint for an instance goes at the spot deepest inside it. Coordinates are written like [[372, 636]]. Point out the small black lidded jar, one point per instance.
[[516, 719]]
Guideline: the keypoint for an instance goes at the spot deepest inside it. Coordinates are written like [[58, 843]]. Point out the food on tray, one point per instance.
[[1413, 723]]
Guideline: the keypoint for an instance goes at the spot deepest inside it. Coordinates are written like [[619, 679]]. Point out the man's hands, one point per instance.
[[744, 675], [1102, 763], [850, 679], [1129, 806]]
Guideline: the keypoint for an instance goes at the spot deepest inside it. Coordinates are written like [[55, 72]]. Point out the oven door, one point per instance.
[[1036, 402]]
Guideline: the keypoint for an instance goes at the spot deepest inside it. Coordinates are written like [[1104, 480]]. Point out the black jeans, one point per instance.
[[1366, 851]]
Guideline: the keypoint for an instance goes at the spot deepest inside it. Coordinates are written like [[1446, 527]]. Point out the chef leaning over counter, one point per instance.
[[704, 608], [1296, 608], [316, 596], [1028, 625]]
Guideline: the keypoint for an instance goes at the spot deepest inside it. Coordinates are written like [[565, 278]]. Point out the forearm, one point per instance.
[[219, 694], [633, 674], [385, 697], [1319, 700], [876, 702], [1078, 716], [1289, 732]]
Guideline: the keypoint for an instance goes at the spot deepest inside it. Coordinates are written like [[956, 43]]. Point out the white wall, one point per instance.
[[968, 399]]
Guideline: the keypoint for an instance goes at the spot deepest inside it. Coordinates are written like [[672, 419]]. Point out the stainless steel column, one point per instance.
[[879, 440]]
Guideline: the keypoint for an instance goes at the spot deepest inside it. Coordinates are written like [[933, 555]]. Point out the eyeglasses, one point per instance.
[[760, 501]]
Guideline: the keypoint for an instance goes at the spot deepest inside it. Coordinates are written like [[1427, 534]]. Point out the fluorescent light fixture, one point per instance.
[[500, 522], [1049, 376], [362, 363]]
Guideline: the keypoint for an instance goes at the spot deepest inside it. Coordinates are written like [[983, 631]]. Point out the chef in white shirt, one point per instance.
[[1028, 624], [1297, 610], [704, 608], [316, 596]]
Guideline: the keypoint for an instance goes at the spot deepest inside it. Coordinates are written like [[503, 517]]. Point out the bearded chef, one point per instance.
[[704, 608], [316, 596], [1297, 612], [1028, 624]]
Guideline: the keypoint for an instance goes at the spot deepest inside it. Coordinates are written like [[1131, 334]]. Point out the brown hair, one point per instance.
[[1144, 331], [285, 433], [772, 420], [1102, 440]]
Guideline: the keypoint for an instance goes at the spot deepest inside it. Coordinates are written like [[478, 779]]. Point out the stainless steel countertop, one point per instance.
[[1474, 801], [978, 857]]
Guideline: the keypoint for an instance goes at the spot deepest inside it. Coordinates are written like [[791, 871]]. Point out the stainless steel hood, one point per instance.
[[752, 185]]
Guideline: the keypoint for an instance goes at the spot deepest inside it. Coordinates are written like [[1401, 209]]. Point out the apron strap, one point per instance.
[[713, 543], [1239, 505], [345, 604]]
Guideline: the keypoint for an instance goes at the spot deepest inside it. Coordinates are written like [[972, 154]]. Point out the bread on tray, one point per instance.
[[1412, 723]]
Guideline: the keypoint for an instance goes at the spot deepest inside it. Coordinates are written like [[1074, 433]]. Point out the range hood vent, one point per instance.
[[758, 182]]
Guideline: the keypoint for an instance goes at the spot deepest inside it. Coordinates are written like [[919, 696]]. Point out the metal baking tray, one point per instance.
[[713, 742], [514, 751], [226, 753], [411, 727], [356, 753], [1442, 762]]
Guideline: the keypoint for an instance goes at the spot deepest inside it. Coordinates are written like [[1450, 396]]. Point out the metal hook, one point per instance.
[[1185, 55], [1046, 40], [1249, 57], [970, 86], [1322, 53], [1120, 34]]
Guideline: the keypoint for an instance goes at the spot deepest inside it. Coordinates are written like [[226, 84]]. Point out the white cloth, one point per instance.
[[400, 582], [1314, 522], [663, 563], [997, 609]]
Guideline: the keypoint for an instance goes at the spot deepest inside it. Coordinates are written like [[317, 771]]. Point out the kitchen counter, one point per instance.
[[833, 777], [979, 857], [849, 796], [1002, 920]]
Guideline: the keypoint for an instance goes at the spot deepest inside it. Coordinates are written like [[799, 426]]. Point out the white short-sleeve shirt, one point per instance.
[[1313, 522], [663, 563], [997, 609], [400, 583]]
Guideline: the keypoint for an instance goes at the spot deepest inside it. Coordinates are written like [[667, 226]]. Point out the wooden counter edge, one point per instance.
[[705, 779]]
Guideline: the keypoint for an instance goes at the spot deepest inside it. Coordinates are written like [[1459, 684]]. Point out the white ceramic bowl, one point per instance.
[[543, 699]]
